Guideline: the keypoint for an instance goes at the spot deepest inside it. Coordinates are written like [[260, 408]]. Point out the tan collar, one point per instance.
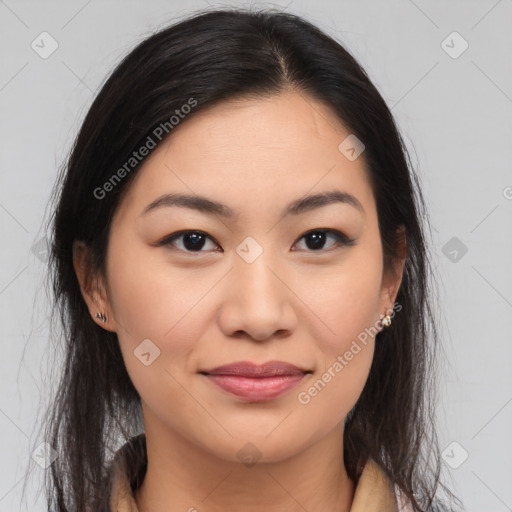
[[374, 491]]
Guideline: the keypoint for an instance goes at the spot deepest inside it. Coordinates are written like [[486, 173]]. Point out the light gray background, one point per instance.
[[455, 115]]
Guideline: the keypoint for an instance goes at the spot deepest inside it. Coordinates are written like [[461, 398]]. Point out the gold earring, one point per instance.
[[386, 321], [102, 317]]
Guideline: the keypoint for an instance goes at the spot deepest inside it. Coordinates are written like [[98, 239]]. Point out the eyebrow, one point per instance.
[[296, 207]]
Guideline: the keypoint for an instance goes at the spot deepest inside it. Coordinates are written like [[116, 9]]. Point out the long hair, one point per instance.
[[203, 60]]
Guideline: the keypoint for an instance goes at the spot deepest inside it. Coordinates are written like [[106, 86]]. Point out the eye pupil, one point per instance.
[[193, 241], [318, 239]]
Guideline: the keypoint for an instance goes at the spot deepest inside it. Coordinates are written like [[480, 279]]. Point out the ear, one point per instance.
[[92, 287], [392, 278]]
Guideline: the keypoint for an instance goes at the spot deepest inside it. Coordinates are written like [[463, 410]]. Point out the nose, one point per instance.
[[257, 303]]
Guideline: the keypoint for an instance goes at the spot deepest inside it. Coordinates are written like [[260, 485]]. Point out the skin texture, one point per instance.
[[292, 303]]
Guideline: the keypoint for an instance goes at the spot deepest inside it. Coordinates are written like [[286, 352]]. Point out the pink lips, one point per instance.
[[256, 383]]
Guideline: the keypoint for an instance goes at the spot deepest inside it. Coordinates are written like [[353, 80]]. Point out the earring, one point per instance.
[[102, 317], [386, 321]]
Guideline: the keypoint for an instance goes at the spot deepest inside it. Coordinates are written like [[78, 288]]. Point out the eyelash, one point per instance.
[[341, 239]]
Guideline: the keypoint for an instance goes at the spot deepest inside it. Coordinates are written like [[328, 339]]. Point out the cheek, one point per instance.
[[346, 306], [344, 302], [152, 301], [333, 391], [341, 373]]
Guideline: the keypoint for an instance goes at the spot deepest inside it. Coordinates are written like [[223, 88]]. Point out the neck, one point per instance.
[[183, 477]]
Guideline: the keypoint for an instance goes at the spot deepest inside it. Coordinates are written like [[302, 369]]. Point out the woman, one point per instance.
[[240, 266]]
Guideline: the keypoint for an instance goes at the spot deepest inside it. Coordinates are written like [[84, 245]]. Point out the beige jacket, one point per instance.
[[374, 492]]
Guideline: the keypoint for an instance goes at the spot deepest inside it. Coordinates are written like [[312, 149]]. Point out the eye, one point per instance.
[[195, 241], [316, 238], [191, 241]]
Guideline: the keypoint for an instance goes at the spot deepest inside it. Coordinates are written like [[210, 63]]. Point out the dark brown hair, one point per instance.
[[214, 56]]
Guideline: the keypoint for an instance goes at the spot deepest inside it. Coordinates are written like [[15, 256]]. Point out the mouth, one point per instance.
[[256, 383]]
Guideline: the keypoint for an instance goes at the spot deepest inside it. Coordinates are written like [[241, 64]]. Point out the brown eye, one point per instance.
[[316, 239], [197, 241], [189, 241]]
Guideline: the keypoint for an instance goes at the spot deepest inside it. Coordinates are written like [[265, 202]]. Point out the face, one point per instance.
[[189, 290]]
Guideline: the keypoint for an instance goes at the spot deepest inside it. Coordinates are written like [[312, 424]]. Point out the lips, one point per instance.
[[256, 383], [248, 369]]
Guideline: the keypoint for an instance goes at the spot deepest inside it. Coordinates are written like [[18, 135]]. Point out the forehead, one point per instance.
[[253, 152], [287, 125]]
